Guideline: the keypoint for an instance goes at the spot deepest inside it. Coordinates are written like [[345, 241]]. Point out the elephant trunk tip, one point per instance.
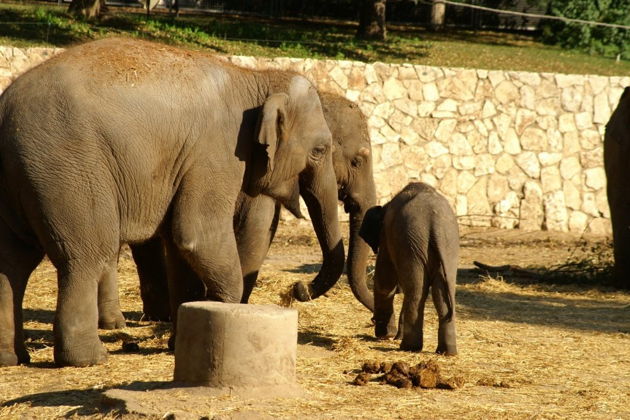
[[302, 292]]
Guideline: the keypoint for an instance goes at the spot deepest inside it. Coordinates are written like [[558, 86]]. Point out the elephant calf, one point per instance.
[[416, 238]]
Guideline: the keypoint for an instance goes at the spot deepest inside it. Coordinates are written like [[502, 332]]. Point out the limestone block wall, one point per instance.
[[508, 149]]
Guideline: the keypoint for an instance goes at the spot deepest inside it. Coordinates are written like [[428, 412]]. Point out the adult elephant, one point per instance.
[[256, 221], [616, 164], [120, 141]]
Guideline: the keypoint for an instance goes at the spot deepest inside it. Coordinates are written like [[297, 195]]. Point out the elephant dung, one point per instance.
[[235, 345], [425, 375]]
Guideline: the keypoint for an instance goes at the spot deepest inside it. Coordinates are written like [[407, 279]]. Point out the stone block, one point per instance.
[[556, 215], [225, 344]]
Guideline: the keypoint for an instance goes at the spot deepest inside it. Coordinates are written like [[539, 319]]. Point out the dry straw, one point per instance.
[[526, 350]]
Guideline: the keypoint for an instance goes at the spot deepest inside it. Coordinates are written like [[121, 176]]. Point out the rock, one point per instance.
[[533, 139], [497, 187], [577, 222], [595, 178], [414, 90], [459, 145], [572, 98], [583, 120], [435, 149], [567, 80], [550, 179], [528, 162], [601, 109], [548, 159], [394, 89], [531, 207], [507, 212], [445, 130], [478, 205], [488, 110], [600, 226], [506, 92], [524, 118], [504, 163], [430, 92], [556, 217], [566, 123], [528, 98], [571, 195]]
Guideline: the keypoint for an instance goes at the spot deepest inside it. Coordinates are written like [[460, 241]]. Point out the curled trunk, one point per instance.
[[358, 253], [321, 202]]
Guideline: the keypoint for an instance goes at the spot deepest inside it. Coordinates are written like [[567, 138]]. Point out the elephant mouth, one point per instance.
[[349, 204]]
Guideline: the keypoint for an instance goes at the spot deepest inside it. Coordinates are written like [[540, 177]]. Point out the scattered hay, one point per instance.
[[399, 374], [286, 297]]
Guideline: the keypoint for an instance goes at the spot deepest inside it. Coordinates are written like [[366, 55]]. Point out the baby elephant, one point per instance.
[[416, 238]]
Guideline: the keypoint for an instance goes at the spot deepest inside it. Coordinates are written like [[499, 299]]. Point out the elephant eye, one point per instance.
[[319, 151], [357, 162]]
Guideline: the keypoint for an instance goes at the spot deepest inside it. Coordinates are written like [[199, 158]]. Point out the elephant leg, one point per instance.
[[110, 316], [76, 318], [151, 265], [385, 283], [17, 261], [255, 225], [446, 330], [415, 295], [183, 284], [203, 233]]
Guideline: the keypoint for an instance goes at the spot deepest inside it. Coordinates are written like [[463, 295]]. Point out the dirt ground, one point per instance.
[[527, 350]]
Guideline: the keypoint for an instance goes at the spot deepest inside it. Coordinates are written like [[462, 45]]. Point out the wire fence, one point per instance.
[[274, 8]]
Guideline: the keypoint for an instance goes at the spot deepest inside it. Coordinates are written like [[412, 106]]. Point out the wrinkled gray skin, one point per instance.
[[616, 164], [121, 141], [416, 238], [256, 220]]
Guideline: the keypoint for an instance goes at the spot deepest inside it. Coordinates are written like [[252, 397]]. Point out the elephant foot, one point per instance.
[[156, 315], [8, 359], [411, 345], [384, 331], [447, 350], [112, 323], [83, 356]]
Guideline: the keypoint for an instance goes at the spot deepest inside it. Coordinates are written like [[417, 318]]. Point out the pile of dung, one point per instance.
[[401, 375]]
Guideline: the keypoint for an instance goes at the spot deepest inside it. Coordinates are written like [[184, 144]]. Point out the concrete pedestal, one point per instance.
[[235, 345]]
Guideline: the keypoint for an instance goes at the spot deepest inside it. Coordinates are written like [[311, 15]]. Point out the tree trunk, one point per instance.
[[372, 20], [437, 15], [88, 9]]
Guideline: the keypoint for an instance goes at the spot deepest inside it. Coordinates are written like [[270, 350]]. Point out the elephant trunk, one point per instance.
[[321, 201], [358, 254]]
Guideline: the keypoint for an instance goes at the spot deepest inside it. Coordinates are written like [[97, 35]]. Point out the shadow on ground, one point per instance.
[[547, 310]]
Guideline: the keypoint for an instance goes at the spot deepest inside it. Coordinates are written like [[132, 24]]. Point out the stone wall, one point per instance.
[[508, 149]]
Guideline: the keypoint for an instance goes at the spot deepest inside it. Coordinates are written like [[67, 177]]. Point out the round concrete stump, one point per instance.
[[235, 345]]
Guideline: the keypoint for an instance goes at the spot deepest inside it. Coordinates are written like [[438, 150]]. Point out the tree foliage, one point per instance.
[[594, 39]]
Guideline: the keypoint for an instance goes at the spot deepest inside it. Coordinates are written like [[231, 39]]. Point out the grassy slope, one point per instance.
[[52, 26]]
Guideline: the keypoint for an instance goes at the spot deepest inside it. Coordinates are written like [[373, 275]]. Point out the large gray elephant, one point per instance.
[[616, 164], [120, 141], [256, 221], [416, 239]]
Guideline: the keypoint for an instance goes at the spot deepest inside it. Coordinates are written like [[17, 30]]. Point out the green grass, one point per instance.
[[46, 25]]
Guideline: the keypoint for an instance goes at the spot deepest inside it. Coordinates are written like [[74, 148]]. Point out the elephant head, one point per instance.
[[371, 227], [352, 158], [293, 156]]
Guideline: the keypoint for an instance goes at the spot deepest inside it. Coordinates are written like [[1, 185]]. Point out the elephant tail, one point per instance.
[[448, 265]]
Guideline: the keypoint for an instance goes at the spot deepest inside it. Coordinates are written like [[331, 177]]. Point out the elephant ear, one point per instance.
[[371, 227], [273, 124]]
